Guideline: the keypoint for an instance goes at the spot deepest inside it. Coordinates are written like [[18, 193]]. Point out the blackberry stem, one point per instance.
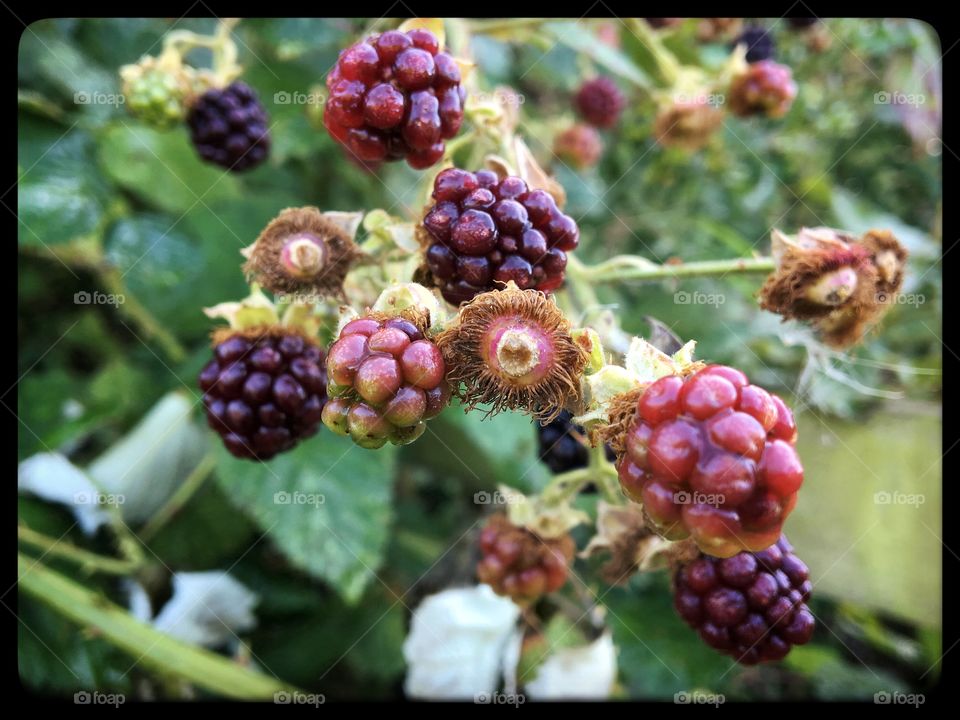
[[631, 267], [68, 551]]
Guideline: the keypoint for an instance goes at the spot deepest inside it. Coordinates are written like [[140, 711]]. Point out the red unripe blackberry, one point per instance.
[[765, 88], [264, 391], [229, 127], [599, 102], [712, 457], [385, 380], [579, 146], [483, 232], [751, 606], [520, 564], [395, 96]]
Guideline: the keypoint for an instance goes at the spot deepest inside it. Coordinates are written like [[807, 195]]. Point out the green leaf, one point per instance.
[[483, 453], [60, 194], [162, 168], [172, 272], [202, 535], [659, 654], [582, 40], [326, 504]]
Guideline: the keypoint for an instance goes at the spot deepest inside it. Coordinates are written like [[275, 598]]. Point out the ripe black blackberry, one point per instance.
[[751, 606], [760, 44], [562, 445], [228, 127], [264, 391], [483, 232]]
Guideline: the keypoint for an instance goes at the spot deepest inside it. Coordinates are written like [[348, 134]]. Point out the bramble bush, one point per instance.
[[478, 359]]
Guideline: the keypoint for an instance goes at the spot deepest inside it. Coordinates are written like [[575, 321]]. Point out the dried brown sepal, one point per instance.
[[805, 263], [622, 412], [688, 125], [512, 349], [623, 533], [302, 252], [839, 283], [889, 257]]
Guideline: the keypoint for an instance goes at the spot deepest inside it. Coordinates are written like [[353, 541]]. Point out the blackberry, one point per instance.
[[157, 97], [563, 445], [264, 391], [483, 232], [751, 606], [385, 379], [765, 88], [759, 43], [712, 457], [579, 146], [395, 96], [228, 127], [520, 564], [599, 102]]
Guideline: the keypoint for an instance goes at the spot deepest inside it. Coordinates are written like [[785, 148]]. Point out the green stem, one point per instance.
[[631, 267], [193, 482], [670, 68], [88, 561], [606, 476], [141, 317], [148, 646], [566, 486]]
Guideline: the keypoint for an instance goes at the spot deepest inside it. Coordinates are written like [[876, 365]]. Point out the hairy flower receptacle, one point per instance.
[[834, 288], [519, 351], [304, 256]]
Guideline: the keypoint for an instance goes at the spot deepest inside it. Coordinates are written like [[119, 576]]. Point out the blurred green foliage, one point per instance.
[[108, 205]]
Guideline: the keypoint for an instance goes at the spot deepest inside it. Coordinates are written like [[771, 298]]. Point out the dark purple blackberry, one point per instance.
[[562, 445], [483, 231], [228, 127], [599, 102], [264, 393], [760, 44], [751, 606]]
